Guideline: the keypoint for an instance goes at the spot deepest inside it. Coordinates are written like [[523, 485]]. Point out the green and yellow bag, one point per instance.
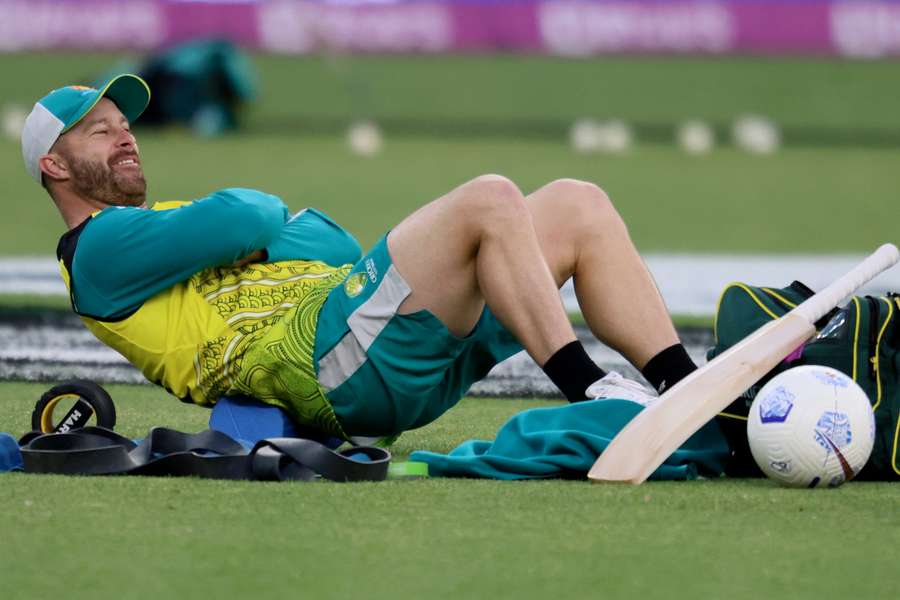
[[861, 339]]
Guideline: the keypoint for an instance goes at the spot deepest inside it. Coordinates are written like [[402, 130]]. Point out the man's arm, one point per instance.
[[309, 235], [312, 235], [127, 255]]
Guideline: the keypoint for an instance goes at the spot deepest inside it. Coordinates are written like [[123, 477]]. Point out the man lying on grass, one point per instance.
[[231, 294]]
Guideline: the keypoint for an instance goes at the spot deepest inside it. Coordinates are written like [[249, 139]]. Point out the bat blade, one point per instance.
[[657, 431]]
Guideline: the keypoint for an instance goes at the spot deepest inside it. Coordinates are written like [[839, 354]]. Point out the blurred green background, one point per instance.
[[831, 187]]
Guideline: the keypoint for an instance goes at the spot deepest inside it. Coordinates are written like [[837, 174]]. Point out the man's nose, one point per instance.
[[126, 138]]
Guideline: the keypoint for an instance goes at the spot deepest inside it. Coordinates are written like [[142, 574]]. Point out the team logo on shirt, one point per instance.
[[371, 270], [355, 284]]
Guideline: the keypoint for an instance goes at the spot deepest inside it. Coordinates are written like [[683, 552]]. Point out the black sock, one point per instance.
[[572, 370], [668, 368]]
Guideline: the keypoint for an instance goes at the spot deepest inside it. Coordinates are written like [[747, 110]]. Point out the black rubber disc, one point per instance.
[[85, 397]]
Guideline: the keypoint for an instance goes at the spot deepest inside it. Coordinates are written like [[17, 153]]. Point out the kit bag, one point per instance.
[[860, 339]]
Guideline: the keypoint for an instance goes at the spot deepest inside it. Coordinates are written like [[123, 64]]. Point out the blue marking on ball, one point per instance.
[[838, 380], [834, 426], [776, 406]]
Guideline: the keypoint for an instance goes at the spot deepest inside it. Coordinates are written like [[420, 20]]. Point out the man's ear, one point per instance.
[[54, 167]]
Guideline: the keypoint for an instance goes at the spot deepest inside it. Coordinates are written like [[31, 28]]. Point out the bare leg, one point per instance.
[[476, 245], [582, 235]]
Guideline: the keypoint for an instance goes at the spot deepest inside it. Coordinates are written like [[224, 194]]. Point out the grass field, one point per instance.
[[832, 188], [152, 537]]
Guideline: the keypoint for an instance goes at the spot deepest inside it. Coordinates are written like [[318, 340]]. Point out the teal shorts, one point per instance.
[[385, 373]]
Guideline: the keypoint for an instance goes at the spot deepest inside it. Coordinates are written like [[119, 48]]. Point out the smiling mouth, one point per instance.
[[129, 161]]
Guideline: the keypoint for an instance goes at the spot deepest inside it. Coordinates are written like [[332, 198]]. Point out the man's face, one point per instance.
[[102, 158]]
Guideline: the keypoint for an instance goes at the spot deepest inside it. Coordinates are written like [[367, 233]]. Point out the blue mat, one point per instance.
[[248, 421]]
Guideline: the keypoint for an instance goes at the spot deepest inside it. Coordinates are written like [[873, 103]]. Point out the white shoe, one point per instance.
[[613, 385]]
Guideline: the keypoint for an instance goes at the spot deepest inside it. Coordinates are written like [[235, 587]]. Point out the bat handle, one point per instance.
[[816, 307]]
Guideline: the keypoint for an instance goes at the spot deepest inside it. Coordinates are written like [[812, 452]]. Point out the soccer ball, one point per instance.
[[811, 426]]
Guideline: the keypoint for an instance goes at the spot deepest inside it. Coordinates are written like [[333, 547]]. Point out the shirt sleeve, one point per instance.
[[127, 255], [312, 235]]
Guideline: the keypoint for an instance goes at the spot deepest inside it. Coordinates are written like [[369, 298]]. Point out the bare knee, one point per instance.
[[581, 199], [492, 203], [491, 188], [584, 204]]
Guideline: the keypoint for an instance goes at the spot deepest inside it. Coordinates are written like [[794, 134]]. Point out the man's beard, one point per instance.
[[99, 182]]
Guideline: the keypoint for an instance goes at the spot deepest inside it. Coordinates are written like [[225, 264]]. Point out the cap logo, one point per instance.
[[80, 88]]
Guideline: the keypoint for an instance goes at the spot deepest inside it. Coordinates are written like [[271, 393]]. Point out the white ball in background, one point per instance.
[[756, 134], [695, 137], [364, 138], [584, 136], [811, 426], [615, 137], [13, 118], [588, 136]]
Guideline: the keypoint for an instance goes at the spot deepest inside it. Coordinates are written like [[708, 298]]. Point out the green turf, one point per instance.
[[149, 537]]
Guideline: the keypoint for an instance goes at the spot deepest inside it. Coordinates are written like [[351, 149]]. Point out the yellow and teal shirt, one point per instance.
[[160, 287]]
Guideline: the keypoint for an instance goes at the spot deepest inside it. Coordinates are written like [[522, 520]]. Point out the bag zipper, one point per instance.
[[778, 301], [806, 293], [892, 299], [874, 315]]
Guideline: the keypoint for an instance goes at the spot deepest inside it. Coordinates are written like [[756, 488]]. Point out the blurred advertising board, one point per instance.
[[855, 28]]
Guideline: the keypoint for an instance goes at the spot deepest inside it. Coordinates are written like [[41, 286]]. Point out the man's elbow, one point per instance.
[[262, 224], [254, 217]]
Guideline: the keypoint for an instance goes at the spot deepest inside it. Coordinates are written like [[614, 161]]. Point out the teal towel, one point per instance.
[[564, 441]]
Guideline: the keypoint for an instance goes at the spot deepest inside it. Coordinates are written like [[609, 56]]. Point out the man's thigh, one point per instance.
[[433, 246], [386, 372], [436, 247]]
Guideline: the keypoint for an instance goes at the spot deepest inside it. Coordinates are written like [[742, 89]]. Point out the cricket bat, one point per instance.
[[657, 431]]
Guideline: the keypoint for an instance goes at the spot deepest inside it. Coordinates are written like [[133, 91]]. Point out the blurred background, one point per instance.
[[740, 131]]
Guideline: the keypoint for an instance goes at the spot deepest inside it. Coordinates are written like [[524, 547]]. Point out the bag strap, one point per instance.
[[208, 454]]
